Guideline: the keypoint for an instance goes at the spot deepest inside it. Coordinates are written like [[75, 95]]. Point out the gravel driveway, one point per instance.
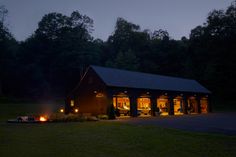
[[224, 123]]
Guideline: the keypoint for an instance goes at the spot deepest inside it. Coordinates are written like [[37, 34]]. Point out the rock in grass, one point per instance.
[[92, 118]]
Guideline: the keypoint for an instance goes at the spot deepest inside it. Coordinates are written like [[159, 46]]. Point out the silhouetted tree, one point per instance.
[[52, 60], [125, 60], [212, 49], [8, 46], [60, 43]]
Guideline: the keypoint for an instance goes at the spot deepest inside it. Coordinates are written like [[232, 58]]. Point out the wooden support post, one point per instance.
[[110, 106], [209, 105], [185, 104], [198, 104], [171, 105], [133, 106], [153, 106]]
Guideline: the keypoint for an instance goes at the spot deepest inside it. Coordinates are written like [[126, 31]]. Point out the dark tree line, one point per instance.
[[52, 60]]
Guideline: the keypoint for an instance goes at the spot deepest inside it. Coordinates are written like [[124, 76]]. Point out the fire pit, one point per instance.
[[29, 119], [43, 119]]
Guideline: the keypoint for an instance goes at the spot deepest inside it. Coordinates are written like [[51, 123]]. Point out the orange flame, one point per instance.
[[42, 119]]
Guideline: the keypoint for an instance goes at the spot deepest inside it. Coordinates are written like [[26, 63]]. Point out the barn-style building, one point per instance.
[[134, 94]]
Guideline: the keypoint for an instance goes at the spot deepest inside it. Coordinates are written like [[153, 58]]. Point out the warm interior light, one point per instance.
[[61, 110], [164, 114], [76, 110], [42, 119], [99, 95]]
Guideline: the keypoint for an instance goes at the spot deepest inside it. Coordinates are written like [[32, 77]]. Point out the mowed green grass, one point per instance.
[[108, 138]]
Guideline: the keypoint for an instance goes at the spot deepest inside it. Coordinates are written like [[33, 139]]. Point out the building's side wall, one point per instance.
[[90, 97]]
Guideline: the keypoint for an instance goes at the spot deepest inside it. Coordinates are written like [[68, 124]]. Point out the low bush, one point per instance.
[[92, 118], [60, 117], [103, 116]]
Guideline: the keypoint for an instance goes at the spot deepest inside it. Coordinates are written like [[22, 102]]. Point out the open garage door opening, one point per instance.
[[178, 106], [204, 105], [163, 105], [121, 105], [192, 105], [144, 106]]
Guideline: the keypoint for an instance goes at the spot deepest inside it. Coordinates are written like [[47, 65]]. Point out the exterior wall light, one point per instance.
[[61, 110], [72, 103], [99, 95]]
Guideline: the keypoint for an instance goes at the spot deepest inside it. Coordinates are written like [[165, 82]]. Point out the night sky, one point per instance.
[[178, 17]]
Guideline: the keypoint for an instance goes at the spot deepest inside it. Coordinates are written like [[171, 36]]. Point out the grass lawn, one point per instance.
[[107, 138]]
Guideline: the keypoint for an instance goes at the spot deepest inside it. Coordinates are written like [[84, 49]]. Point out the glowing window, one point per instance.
[[72, 103]]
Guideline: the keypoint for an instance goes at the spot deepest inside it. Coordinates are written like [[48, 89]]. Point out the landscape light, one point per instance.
[[76, 110], [61, 110]]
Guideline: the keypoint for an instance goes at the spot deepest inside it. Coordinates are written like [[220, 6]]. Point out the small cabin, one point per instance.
[[130, 93]]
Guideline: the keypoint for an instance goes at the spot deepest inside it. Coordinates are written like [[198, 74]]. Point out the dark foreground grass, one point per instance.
[[111, 139], [105, 139]]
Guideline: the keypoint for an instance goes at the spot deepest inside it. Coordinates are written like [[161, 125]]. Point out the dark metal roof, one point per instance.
[[130, 79]]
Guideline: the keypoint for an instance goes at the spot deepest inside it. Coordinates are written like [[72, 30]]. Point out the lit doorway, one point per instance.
[[121, 106], [204, 105], [163, 105], [178, 106], [144, 106], [192, 105]]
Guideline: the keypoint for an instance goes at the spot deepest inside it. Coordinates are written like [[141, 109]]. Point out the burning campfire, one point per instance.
[[42, 119]]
